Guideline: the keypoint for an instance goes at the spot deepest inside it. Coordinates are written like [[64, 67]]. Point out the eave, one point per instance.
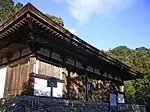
[[17, 24]]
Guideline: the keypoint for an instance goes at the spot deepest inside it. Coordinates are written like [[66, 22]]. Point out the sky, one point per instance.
[[105, 24]]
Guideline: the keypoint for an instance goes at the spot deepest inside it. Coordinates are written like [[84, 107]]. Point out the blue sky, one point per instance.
[[103, 23]]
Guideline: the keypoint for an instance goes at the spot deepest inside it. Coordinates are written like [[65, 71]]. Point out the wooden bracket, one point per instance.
[[84, 66], [64, 58]]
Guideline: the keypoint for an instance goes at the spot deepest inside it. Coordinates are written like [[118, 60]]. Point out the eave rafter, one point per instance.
[[15, 28]]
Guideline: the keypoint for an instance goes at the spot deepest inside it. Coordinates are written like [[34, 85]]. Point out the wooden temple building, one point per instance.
[[37, 53]]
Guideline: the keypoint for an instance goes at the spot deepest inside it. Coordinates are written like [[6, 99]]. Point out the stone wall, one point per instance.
[[44, 104]]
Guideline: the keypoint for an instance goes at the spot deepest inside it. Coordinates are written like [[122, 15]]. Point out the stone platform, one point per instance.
[[46, 104]]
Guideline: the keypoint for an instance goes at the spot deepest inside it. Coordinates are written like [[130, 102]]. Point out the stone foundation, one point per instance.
[[44, 104]]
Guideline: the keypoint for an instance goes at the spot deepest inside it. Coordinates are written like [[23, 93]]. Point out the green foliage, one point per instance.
[[143, 52], [8, 9], [137, 91], [122, 53], [18, 6], [56, 19], [129, 91], [142, 86]]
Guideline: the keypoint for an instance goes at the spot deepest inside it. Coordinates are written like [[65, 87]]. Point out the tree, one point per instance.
[[142, 86], [56, 19], [18, 6], [122, 53], [8, 9], [136, 91], [129, 92]]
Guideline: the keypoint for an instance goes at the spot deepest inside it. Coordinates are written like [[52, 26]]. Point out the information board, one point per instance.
[[120, 98], [113, 99], [52, 83]]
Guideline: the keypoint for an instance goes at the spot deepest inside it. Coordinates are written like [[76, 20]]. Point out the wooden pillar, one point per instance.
[[86, 85], [51, 91], [29, 79], [68, 84], [86, 80], [34, 48]]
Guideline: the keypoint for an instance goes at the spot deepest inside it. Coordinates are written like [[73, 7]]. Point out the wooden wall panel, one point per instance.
[[13, 81], [65, 84], [49, 69], [18, 75], [19, 78]]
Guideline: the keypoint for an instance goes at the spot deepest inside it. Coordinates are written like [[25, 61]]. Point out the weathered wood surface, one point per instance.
[[17, 75], [49, 69]]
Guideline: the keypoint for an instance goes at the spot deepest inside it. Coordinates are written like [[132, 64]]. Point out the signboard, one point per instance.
[[113, 99], [120, 98], [52, 83], [89, 87]]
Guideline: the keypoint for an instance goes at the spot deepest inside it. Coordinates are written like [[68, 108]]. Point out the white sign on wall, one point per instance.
[[113, 99], [121, 98], [2, 80]]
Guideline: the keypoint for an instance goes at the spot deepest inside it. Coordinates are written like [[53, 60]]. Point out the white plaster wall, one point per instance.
[[122, 88], [57, 92], [2, 80], [40, 85]]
